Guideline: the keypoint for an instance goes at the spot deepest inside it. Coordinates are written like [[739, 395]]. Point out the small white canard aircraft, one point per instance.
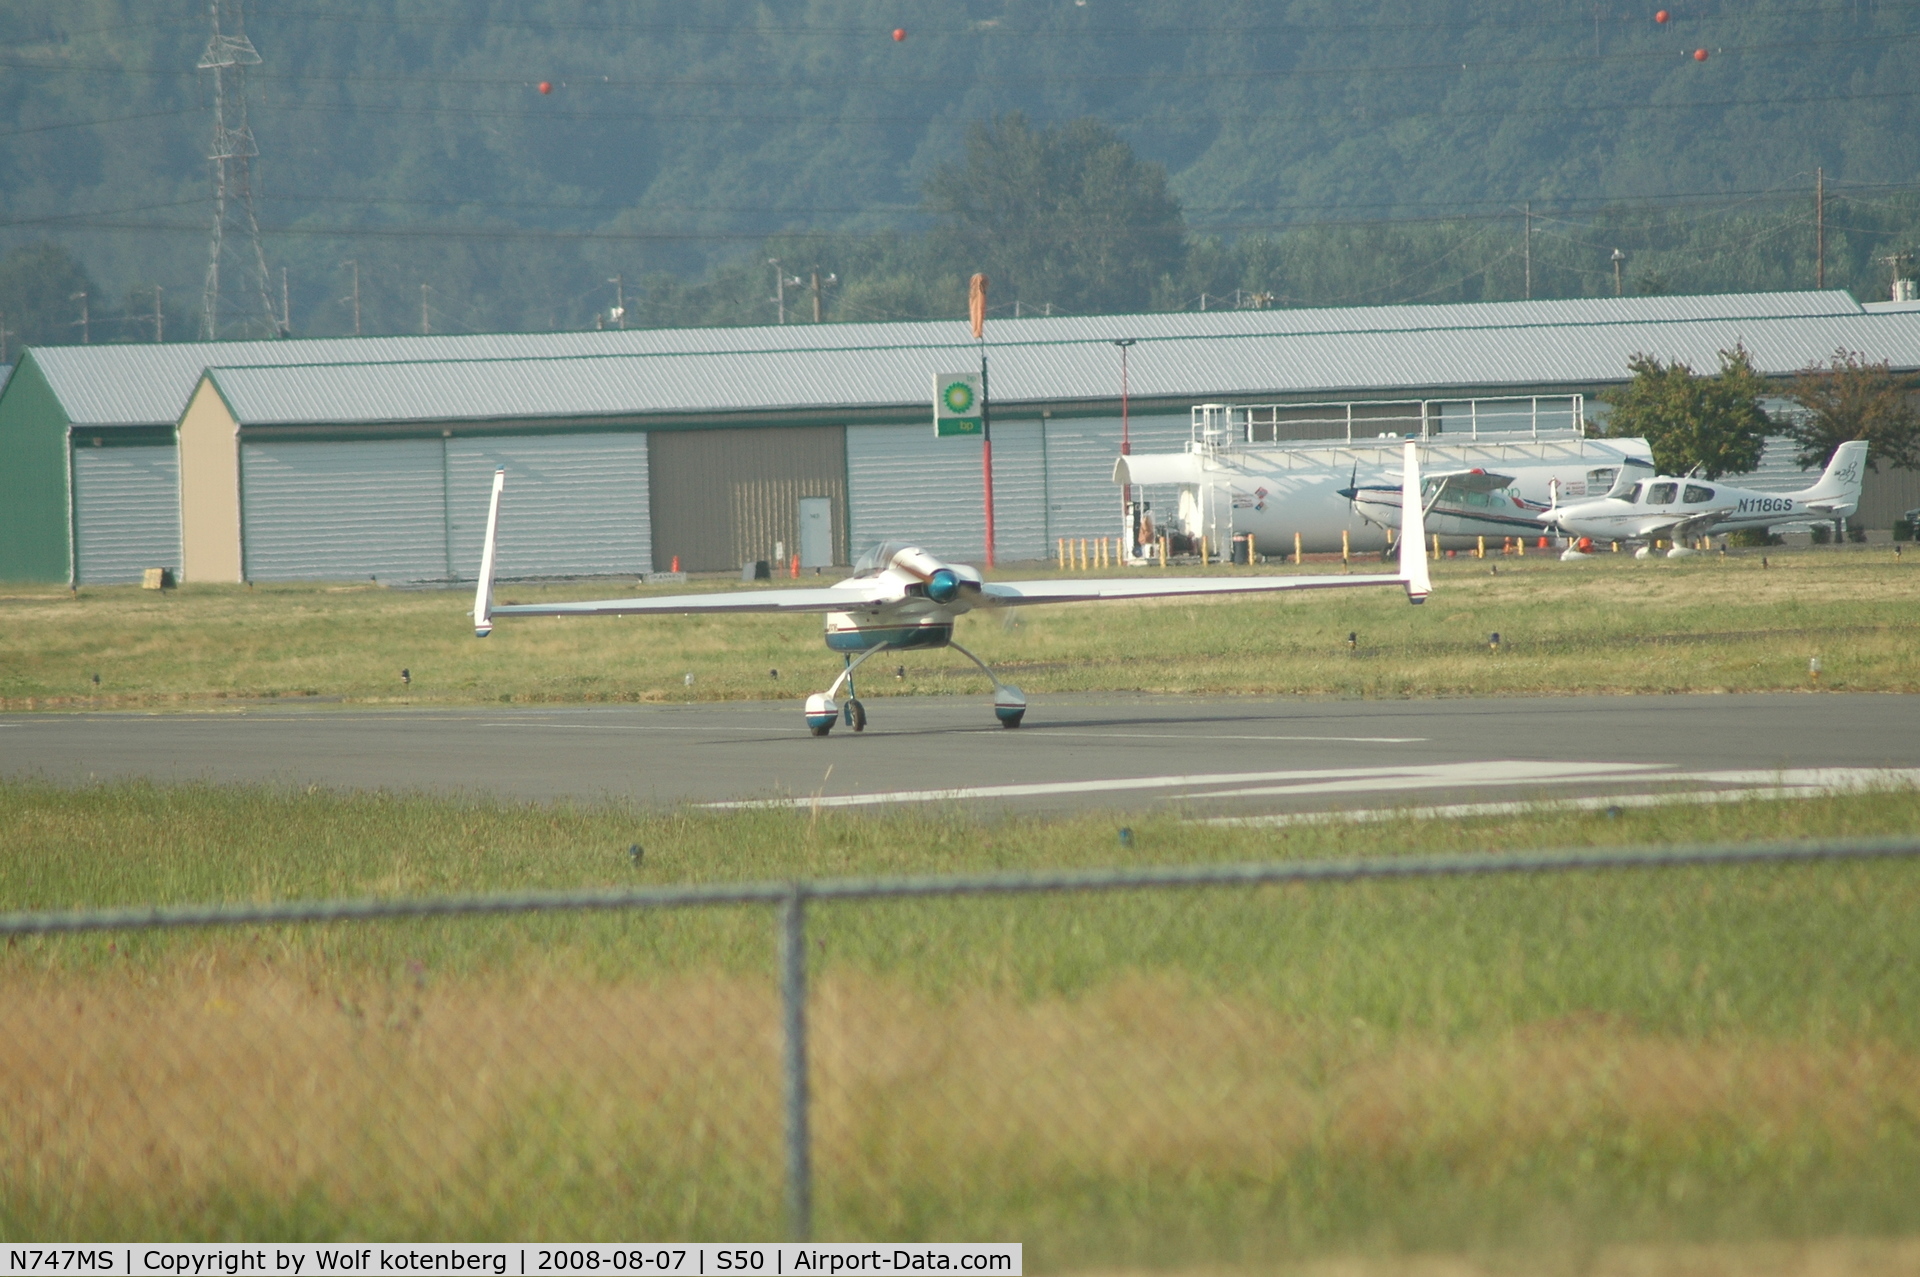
[[1676, 508], [901, 598]]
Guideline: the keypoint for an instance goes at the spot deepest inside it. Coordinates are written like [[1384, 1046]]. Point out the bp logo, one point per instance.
[[958, 397]]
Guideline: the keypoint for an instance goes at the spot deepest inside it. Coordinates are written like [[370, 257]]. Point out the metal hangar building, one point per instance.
[[358, 457]]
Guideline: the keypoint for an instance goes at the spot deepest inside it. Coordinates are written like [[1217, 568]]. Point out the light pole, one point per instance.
[[1126, 449], [1619, 259], [619, 283]]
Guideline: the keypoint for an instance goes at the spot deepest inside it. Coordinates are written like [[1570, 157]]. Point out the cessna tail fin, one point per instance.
[[1413, 530], [483, 595]]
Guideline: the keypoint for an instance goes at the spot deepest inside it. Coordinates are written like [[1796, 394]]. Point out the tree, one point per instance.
[[37, 287], [1848, 398], [1715, 423], [1066, 217]]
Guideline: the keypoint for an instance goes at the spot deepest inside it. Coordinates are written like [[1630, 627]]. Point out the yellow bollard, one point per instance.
[[1103, 552], [1060, 544], [1253, 555], [1083, 554], [1346, 550], [1296, 549], [1520, 546], [1480, 551], [1203, 552], [1436, 545], [1163, 552]]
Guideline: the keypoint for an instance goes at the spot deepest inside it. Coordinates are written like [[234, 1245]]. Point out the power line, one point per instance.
[[776, 84], [87, 124], [535, 115], [1520, 19]]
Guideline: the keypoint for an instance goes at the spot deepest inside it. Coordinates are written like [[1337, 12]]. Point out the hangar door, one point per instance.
[[416, 509], [722, 498], [364, 508], [126, 511], [574, 505], [909, 485]]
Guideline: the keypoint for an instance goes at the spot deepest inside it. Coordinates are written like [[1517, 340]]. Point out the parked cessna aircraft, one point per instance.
[[1677, 508], [902, 598], [1462, 503]]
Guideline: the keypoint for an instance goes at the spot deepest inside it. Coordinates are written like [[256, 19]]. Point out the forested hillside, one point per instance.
[[1249, 153]]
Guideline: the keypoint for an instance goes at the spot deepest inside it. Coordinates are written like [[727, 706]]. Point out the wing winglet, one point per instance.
[[1413, 530], [483, 594]]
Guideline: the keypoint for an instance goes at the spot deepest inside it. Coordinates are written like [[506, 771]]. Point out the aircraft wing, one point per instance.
[[1016, 593], [834, 599], [1470, 480], [1685, 526], [824, 600]]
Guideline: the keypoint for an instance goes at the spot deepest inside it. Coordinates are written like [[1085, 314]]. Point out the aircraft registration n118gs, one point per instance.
[[900, 598]]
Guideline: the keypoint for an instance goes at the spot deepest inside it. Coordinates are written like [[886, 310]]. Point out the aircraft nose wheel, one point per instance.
[[856, 715]]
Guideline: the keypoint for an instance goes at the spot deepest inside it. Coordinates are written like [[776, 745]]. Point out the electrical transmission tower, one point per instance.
[[228, 56]]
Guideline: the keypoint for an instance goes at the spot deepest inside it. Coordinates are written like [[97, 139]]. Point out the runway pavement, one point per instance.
[[1222, 756]]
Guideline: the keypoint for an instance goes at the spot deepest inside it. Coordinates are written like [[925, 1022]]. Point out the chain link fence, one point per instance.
[[1210, 1063]]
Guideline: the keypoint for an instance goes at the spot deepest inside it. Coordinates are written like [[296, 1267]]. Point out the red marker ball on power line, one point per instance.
[[1699, 55], [546, 86], [899, 34], [1662, 16]]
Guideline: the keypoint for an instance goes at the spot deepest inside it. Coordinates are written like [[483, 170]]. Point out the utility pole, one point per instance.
[[426, 324], [86, 328], [1619, 260], [356, 295], [819, 284], [1901, 260], [1820, 228], [232, 156], [619, 283], [1126, 450], [977, 318], [159, 318], [286, 310], [780, 281], [1526, 246], [4, 334]]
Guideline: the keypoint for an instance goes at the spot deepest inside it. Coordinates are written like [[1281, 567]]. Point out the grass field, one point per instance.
[[1524, 1072], [1611, 624]]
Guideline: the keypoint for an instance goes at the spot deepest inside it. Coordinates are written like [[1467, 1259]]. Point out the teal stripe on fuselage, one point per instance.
[[903, 637]]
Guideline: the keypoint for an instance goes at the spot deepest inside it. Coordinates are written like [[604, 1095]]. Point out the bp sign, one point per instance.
[[956, 404]]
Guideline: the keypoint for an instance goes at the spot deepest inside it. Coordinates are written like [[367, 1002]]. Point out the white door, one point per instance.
[[816, 532]]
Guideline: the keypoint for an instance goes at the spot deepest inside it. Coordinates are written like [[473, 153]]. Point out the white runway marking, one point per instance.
[[1048, 733], [1832, 781], [1339, 779]]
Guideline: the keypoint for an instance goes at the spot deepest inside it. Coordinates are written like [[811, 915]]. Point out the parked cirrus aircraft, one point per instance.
[[902, 598], [1676, 507]]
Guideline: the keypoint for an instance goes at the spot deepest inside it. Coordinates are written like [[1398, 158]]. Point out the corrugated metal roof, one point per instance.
[[149, 385], [1191, 367]]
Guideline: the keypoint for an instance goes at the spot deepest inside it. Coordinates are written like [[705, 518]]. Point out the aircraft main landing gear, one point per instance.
[[823, 711]]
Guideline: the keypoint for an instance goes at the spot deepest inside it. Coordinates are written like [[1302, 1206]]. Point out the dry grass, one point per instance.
[[1610, 624], [214, 1095], [1539, 1067], [545, 1107], [1825, 1257]]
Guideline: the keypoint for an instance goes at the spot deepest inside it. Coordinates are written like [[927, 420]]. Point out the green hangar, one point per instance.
[[626, 451]]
